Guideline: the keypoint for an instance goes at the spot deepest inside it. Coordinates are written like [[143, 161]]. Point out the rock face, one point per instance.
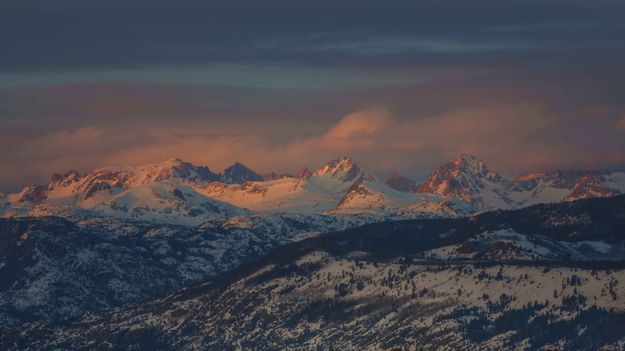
[[344, 169], [178, 192], [401, 183], [304, 173], [567, 186], [592, 185], [239, 174], [535, 278], [275, 176], [468, 179], [34, 193]]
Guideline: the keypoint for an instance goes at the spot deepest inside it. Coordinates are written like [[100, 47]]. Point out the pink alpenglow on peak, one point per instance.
[[304, 173], [344, 169], [180, 192], [464, 178]]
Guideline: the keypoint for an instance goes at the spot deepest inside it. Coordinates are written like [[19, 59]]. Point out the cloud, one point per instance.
[[373, 134], [70, 35], [362, 123], [538, 87], [620, 124], [509, 137]]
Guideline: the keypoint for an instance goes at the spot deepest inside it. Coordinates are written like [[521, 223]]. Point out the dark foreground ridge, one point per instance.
[[543, 276], [603, 220]]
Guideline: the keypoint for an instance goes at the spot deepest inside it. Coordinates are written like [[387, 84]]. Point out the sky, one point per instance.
[[277, 85]]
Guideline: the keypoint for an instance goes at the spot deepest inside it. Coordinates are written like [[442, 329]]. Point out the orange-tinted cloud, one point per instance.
[[511, 138], [620, 124], [359, 124]]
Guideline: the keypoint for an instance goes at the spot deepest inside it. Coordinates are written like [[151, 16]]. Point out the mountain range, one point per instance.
[[179, 192], [547, 277], [173, 255]]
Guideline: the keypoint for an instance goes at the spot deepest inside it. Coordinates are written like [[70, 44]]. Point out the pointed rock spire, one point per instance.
[[304, 173], [238, 173], [464, 178], [344, 169]]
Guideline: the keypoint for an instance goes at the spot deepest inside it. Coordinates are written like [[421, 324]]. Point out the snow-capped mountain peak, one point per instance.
[[174, 168], [173, 190], [238, 173], [595, 184], [304, 173], [469, 164], [32, 193], [129, 177], [344, 169], [64, 179], [467, 178]]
